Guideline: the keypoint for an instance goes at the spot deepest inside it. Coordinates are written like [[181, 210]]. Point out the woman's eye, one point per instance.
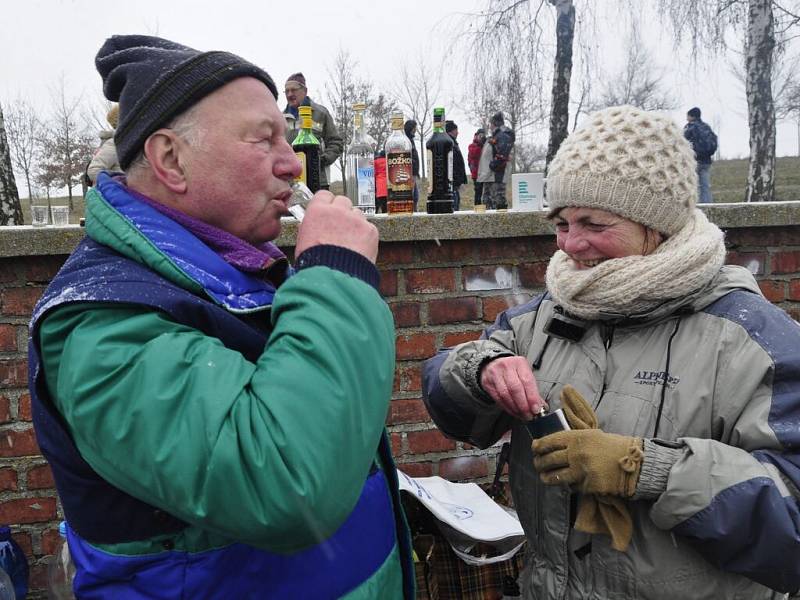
[[596, 226], [562, 226]]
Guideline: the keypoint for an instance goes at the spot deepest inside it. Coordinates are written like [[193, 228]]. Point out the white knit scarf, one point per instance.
[[633, 285]]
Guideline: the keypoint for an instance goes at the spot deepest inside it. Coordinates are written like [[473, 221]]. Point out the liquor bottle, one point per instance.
[[306, 147], [399, 170], [61, 570], [440, 167], [361, 165]]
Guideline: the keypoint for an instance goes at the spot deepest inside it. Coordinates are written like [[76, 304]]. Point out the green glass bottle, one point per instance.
[[440, 167], [306, 147]]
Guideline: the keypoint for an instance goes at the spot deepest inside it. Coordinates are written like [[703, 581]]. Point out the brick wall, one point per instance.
[[441, 292]]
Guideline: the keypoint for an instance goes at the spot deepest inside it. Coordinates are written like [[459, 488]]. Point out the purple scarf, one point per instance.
[[265, 259]]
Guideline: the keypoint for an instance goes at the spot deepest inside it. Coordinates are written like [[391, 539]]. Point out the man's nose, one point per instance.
[[287, 165]]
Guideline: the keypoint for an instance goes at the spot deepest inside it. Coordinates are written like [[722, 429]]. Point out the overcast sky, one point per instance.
[[43, 40]]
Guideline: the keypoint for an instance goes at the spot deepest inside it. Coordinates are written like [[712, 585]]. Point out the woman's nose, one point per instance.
[[573, 241]]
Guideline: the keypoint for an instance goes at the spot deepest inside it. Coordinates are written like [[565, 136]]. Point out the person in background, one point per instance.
[[459, 170], [473, 160], [681, 384], [381, 191], [323, 125], [410, 128], [214, 419], [704, 143], [493, 169], [105, 158]]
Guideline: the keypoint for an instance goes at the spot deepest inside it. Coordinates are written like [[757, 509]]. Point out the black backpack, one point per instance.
[[705, 141]]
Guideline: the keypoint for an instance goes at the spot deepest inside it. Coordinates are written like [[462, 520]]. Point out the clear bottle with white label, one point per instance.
[[360, 177]]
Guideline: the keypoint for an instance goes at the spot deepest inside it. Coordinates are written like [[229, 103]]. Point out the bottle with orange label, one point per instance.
[[399, 170], [307, 148]]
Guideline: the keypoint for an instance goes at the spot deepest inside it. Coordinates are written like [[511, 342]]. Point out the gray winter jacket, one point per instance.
[[712, 382]]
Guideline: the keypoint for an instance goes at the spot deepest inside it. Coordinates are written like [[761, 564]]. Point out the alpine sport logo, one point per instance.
[[656, 378]]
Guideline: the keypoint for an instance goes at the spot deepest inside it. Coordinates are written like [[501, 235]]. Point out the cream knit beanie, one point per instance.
[[628, 161]]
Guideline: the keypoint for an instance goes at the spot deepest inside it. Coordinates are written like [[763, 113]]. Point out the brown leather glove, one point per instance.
[[602, 513]]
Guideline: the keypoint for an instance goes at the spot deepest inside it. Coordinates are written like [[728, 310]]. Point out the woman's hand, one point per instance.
[[511, 384]]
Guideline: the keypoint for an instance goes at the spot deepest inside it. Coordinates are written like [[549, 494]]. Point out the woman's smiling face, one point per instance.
[[590, 236]]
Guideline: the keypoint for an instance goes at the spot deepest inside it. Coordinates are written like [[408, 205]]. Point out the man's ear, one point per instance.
[[163, 151]]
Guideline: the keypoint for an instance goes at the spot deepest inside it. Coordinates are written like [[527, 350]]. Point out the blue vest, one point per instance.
[[98, 512]]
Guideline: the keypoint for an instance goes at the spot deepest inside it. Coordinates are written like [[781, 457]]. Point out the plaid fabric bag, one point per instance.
[[444, 576]]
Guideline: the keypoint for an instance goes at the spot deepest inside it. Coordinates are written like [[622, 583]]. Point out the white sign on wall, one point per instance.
[[527, 191]]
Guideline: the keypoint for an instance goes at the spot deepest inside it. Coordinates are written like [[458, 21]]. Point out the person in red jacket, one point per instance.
[[380, 182], [473, 158]]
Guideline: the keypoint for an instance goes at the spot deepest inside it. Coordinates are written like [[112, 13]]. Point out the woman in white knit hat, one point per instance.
[[679, 477]]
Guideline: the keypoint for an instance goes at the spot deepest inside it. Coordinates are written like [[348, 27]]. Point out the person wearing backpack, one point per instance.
[[704, 143]]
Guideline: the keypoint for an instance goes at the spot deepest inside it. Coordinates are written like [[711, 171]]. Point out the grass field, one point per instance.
[[728, 183]]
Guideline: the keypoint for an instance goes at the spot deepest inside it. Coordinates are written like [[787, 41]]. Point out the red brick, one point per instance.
[[407, 411], [25, 542], [417, 469], [51, 539], [464, 467], [18, 443], [24, 408], [487, 277], [28, 510], [494, 305], [13, 373], [774, 291], [785, 262], [8, 271], [20, 301], [38, 578], [754, 262], [794, 289], [43, 268], [430, 281], [459, 337], [388, 284], [532, 275], [40, 477], [8, 480], [5, 409], [415, 345], [794, 312], [408, 378], [397, 443], [453, 310], [446, 251], [406, 314], [529, 248], [395, 253], [763, 236], [422, 442], [8, 338]]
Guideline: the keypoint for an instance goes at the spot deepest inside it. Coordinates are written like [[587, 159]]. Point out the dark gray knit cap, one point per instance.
[[155, 80]]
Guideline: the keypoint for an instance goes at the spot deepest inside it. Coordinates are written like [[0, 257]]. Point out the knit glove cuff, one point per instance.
[[474, 365], [658, 460]]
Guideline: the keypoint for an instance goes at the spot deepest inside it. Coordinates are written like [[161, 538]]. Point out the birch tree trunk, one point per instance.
[[10, 208], [559, 108], [760, 105]]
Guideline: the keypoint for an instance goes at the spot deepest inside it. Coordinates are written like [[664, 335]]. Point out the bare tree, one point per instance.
[[638, 83], [764, 24], [24, 130], [10, 207], [66, 146], [378, 118], [530, 156], [562, 72], [505, 70], [344, 88], [792, 109], [417, 94]]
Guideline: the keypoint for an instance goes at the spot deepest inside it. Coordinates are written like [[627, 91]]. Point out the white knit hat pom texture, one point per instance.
[[628, 161]]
